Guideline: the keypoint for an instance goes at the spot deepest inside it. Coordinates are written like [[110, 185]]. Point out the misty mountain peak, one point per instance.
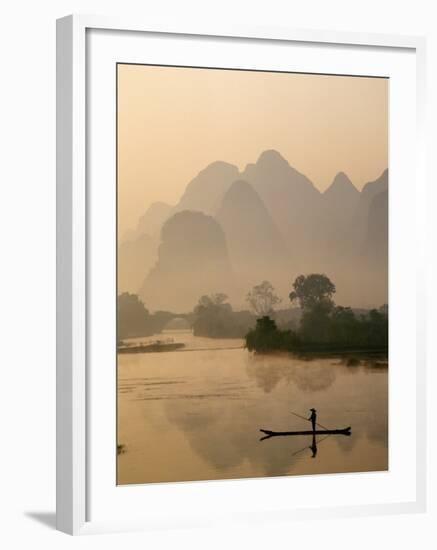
[[152, 220], [341, 185], [274, 168], [205, 192], [271, 157], [241, 190], [241, 201], [192, 229], [218, 167]]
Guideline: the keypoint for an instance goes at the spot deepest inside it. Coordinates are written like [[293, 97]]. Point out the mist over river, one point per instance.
[[195, 414]]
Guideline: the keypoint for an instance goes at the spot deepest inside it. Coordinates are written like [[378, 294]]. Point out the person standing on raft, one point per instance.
[[313, 418]]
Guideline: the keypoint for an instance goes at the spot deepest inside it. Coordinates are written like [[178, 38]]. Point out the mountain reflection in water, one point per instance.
[[196, 415]]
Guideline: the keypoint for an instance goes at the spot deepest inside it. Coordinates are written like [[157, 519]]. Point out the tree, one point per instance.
[[313, 292], [262, 299], [133, 318], [266, 337], [212, 316], [323, 325], [315, 325], [213, 300], [344, 327]]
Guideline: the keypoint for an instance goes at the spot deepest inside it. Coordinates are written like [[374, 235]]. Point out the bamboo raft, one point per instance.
[[151, 348], [343, 431]]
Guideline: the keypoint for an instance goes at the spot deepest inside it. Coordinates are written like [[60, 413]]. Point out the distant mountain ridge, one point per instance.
[[205, 192], [287, 194], [151, 221], [340, 188], [275, 224]]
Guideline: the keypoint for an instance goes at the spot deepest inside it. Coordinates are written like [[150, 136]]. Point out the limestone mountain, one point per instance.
[[153, 218], [256, 247], [192, 260], [368, 231], [272, 223], [205, 192], [368, 193], [135, 258], [341, 196], [372, 188], [289, 196], [374, 252], [338, 205], [377, 228]]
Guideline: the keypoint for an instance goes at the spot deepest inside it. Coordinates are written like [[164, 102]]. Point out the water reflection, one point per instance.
[[203, 411], [308, 375], [313, 447]]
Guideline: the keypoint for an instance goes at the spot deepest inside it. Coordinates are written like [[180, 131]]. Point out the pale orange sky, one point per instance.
[[174, 121]]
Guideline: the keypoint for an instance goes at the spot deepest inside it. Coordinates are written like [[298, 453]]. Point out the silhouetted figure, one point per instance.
[[313, 446], [313, 418]]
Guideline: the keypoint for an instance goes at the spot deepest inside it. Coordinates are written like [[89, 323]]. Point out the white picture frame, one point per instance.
[[74, 461]]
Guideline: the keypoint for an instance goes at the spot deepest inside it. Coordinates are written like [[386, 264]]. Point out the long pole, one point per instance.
[[303, 418]]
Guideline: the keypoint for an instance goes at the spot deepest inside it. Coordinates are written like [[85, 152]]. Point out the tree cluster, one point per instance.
[[135, 320], [323, 325], [215, 318]]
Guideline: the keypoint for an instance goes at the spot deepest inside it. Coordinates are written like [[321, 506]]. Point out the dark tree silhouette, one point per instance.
[[314, 294], [323, 325], [133, 317], [313, 291], [214, 318], [266, 337]]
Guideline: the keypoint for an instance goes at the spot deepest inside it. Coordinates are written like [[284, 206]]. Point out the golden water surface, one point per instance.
[[196, 414]]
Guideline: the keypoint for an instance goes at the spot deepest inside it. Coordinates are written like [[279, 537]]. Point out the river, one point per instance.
[[195, 414]]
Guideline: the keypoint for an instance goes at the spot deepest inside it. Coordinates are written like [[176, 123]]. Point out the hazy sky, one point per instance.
[[173, 122]]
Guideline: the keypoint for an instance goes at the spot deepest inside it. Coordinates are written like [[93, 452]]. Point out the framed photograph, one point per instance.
[[240, 228]]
